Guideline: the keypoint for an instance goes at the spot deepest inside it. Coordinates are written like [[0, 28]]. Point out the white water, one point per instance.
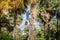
[[22, 25]]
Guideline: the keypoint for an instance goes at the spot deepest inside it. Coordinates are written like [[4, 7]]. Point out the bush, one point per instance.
[[5, 35]]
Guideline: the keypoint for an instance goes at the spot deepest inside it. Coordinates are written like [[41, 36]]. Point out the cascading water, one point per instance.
[[25, 16]]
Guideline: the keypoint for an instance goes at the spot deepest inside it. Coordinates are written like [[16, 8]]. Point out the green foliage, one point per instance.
[[5, 35], [40, 35], [59, 30], [20, 6]]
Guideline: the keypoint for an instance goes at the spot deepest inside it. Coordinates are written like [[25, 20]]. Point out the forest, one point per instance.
[[29, 19]]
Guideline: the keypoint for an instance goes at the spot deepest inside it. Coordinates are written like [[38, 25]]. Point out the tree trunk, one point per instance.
[[14, 31], [15, 27], [31, 30], [15, 17]]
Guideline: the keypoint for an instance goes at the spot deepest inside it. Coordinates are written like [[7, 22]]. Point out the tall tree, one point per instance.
[[33, 12], [16, 4]]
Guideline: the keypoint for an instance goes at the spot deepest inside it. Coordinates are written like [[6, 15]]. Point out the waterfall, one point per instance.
[[25, 16]]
